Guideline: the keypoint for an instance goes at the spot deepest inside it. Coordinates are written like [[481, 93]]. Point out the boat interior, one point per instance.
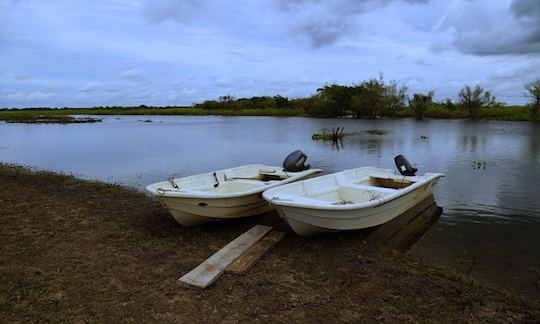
[[348, 187], [234, 180]]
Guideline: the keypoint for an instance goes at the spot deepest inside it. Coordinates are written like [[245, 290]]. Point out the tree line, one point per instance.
[[375, 98]]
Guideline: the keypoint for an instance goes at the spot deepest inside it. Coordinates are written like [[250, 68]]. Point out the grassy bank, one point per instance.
[[511, 113], [76, 250], [65, 115]]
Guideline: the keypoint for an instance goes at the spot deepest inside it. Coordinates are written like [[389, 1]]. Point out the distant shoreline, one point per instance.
[[64, 115]]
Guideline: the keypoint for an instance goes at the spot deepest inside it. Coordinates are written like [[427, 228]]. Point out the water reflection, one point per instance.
[[405, 230]]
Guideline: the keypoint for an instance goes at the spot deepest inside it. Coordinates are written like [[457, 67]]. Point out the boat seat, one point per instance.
[[303, 200], [247, 181], [366, 187]]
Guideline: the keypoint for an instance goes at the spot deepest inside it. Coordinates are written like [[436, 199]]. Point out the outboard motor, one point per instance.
[[295, 162], [404, 167]]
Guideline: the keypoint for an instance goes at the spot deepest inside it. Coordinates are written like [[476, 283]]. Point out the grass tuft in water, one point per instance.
[[377, 131], [336, 135]]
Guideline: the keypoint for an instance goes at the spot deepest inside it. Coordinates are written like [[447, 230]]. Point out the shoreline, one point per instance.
[[63, 115], [85, 250]]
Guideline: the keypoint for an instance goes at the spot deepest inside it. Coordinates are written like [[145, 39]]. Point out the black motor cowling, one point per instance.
[[404, 167], [295, 162]]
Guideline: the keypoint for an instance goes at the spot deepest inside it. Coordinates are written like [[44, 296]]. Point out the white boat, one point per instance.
[[224, 194], [348, 200]]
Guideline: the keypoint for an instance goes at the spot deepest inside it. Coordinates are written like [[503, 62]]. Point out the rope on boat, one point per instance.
[[162, 191], [216, 184]]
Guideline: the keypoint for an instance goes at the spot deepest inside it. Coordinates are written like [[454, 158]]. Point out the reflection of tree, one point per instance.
[[534, 142], [471, 142], [523, 175], [372, 145], [338, 144]]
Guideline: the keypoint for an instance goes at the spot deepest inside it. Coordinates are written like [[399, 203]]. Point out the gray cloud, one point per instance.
[[169, 52], [493, 28], [326, 22], [326, 32], [321, 22], [526, 8], [184, 11]]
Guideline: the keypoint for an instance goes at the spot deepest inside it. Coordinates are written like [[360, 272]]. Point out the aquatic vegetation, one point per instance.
[[377, 131], [46, 119], [336, 135], [479, 165]]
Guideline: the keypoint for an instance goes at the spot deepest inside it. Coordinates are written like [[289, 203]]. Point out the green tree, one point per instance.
[[532, 90], [281, 101], [448, 104], [475, 99], [337, 99], [420, 103], [394, 97], [313, 106], [368, 98]]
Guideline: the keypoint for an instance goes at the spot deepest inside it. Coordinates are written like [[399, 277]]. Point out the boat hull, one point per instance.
[[309, 217], [225, 194], [194, 211], [306, 222]]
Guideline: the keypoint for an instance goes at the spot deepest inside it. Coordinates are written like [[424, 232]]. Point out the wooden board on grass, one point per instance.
[[207, 272], [255, 253]]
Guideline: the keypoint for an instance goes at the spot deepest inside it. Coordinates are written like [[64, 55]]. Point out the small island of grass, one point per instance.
[[336, 135], [28, 118], [377, 131]]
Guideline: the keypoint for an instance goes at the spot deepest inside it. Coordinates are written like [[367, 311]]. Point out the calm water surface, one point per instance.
[[490, 226]]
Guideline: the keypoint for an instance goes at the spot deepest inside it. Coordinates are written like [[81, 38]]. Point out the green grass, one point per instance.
[[182, 111], [326, 136], [511, 113], [85, 251], [33, 118]]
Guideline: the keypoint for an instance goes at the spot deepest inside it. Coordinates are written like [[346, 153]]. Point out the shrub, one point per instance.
[[474, 99], [420, 103]]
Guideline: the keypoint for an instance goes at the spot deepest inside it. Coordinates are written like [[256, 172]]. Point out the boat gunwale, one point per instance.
[[197, 194]]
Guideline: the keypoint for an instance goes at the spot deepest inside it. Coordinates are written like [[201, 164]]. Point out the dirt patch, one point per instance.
[[76, 250]]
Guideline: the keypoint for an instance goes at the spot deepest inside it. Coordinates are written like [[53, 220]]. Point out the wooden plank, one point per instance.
[[207, 272], [255, 253]]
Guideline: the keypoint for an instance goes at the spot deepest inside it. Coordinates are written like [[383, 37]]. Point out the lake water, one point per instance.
[[490, 225]]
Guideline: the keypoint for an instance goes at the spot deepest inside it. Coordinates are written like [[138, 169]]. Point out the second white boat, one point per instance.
[[351, 199]]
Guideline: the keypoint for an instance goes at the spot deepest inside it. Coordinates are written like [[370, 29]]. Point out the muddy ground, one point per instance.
[[74, 250]]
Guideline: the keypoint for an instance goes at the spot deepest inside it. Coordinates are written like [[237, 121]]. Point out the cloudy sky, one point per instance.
[[173, 52]]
